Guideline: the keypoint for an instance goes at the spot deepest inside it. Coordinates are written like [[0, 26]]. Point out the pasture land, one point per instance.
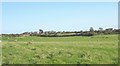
[[100, 49]]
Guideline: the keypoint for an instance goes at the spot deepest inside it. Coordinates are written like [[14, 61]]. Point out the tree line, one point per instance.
[[91, 32]]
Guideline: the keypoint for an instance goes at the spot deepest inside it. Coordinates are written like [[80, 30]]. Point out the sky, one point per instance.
[[59, 0], [19, 17]]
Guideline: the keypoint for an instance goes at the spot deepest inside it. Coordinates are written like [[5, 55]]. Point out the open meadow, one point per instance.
[[99, 49]]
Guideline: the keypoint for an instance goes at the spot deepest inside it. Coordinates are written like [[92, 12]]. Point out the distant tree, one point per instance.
[[100, 29], [108, 31], [91, 29], [40, 31]]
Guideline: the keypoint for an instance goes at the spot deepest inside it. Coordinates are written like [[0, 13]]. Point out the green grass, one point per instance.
[[101, 49]]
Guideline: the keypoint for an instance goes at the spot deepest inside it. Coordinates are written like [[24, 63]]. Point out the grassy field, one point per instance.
[[101, 49]]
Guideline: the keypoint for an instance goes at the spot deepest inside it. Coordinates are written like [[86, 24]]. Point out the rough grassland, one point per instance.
[[101, 49]]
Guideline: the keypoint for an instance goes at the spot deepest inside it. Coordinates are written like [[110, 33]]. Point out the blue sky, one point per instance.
[[59, 0], [19, 17]]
